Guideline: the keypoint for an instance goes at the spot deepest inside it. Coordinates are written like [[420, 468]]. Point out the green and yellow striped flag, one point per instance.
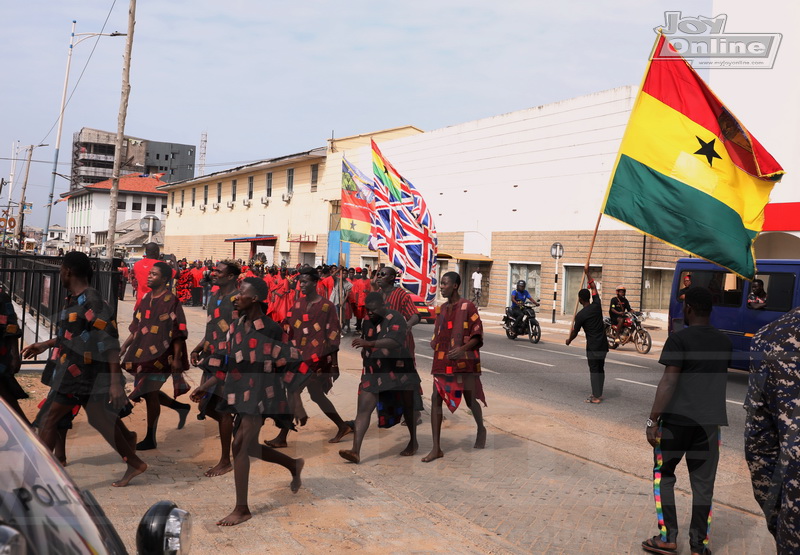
[[688, 172]]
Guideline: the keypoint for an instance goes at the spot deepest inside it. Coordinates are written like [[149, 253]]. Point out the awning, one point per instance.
[[252, 239], [464, 256]]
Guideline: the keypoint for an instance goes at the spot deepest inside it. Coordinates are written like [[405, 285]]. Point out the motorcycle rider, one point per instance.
[[619, 306], [518, 298]]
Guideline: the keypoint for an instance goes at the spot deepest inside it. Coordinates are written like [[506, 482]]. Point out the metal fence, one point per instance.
[[34, 284]]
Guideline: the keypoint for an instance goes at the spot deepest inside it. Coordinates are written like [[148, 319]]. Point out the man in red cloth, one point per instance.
[[142, 269], [457, 338]]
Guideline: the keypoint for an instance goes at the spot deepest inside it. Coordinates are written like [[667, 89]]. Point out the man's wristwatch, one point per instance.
[[650, 423]]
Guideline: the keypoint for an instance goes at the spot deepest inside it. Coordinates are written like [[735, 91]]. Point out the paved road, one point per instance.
[[557, 476]]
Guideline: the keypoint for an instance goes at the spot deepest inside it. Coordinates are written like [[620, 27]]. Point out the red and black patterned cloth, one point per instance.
[[388, 371], [313, 329], [220, 312], [10, 333], [86, 341], [158, 322], [456, 324]]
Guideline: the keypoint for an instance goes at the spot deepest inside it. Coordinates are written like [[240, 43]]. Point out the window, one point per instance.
[[269, 184], [151, 205], [726, 287], [191, 152], [158, 156], [219, 193], [779, 289], [250, 187], [163, 208], [657, 284], [233, 190], [194, 195], [205, 194], [183, 194], [122, 204], [136, 205], [290, 181], [173, 199], [530, 274], [314, 177]]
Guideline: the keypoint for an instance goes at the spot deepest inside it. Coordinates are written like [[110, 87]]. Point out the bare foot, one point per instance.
[[433, 455], [480, 441], [237, 516], [275, 443], [411, 449], [218, 470], [350, 455], [341, 433], [296, 481], [129, 475]]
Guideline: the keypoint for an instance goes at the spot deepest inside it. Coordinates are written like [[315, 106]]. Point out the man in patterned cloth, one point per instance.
[[207, 355], [312, 327], [771, 430], [457, 338], [83, 368], [156, 350], [389, 379], [258, 371]]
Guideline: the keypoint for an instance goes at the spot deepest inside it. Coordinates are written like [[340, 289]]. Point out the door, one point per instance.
[[573, 279]]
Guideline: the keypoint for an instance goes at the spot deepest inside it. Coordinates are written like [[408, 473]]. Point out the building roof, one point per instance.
[[133, 183], [314, 153]]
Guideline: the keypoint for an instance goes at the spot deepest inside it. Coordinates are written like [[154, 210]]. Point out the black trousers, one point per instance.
[[597, 373], [700, 446]]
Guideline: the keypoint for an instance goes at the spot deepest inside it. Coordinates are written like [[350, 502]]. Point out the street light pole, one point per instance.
[[72, 44]]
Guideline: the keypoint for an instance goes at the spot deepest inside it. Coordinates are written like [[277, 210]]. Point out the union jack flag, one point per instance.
[[404, 227]]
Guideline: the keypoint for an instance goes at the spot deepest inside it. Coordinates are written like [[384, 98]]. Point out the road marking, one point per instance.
[[519, 359], [637, 383], [581, 356], [651, 385], [482, 368]]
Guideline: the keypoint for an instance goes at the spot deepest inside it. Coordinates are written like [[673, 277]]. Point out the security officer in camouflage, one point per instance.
[[772, 428]]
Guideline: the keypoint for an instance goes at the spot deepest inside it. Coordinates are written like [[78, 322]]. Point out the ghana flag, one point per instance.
[[688, 172], [357, 205]]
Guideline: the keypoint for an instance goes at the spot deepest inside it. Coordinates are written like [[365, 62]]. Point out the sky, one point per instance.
[[266, 78]]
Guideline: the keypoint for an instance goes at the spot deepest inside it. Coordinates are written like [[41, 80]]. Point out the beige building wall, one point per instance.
[[300, 223]]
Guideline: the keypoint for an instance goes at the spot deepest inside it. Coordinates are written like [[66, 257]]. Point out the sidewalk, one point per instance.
[[519, 495]]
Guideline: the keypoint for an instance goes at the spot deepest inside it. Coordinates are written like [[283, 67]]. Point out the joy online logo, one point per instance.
[[703, 42]]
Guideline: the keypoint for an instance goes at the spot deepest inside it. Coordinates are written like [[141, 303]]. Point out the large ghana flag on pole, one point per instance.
[[688, 172], [357, 205]]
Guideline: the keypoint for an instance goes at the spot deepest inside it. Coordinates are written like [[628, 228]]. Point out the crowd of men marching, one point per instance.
[[272, 333], [269, 336]]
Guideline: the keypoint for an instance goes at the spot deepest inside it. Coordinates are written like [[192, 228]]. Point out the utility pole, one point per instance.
[[123, 111], [22, 199]]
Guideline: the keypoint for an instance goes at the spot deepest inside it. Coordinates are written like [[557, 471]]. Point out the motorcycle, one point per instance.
[[630, 330], [527, 325]]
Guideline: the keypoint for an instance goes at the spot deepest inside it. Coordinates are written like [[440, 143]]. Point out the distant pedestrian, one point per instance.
[[477, 283], [456, 343], [685, 420], [10, 390], [772, 428], [590, 318]]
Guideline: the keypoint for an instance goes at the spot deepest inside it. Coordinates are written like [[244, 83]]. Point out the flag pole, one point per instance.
[[586, 267]]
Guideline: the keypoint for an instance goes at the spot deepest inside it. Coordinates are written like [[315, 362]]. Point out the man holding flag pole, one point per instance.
[[690, 174]]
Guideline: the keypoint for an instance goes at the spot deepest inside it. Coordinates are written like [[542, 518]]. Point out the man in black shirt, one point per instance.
[[687, 413], [590, 318], [616, 311]]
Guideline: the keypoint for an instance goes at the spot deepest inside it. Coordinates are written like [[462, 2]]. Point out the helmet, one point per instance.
[[621, 288], [521, 282]]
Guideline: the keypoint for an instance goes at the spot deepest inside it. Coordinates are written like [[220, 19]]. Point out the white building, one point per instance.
[[88, 208]]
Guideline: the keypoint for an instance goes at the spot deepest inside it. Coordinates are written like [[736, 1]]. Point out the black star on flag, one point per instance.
[[707, 150], [352, 225]]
